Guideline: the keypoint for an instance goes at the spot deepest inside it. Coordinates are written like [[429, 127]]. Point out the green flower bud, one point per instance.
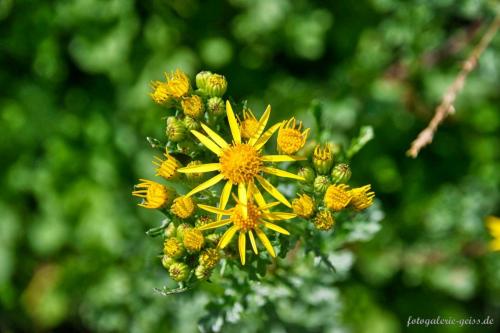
[[323, 159], [216, 85], [176, 130], [216, 106], [170, 230], [202, 273], [323, 220], [179, 271], [201, 79], [213, 238], [341, 173], [307, 173], [166, 261], [202, 220], [173, 248], [191, 124], [180, 230], [321, 184]]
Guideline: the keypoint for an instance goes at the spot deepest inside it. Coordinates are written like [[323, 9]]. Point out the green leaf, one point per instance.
[[365, 135]]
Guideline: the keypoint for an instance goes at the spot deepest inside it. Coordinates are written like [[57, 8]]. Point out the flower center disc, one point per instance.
[[240, 163], [252, 220]]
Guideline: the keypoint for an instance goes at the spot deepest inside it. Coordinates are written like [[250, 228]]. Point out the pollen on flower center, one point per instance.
[[240, 163], [251, 221]]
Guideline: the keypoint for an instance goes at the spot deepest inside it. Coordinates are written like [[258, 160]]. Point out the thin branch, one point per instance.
[[446, 107]]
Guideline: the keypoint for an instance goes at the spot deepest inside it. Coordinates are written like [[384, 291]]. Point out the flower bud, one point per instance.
[[195, 177], [201, 79], [170, 230], [153, 194], [167, 168], [183, 207], [362, 197], [216, 106], [179, 232], [173, 248], [191, 124], [303, 206], [213, 238], [166, 261], [202, 220], [324, 220], [341, 173], [176, 130], [216, 85], [307, 173], [321, 183], [177, 84], [179, 271], [202, 273], [209, 258], [337, 197], [322, 159], [192, 106], [193, 240], [291, 138], [160, 92]]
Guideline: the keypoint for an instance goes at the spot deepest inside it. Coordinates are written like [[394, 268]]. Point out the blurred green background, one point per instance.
[[74, 112]]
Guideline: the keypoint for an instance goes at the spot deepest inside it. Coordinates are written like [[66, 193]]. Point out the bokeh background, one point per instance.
[[74, 112]]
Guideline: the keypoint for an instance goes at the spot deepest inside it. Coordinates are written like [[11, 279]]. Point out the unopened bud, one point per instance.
[[341, 173], [191, 124], [216, 106], [216, 85], [307, 173], [202, 273], [179, 271], [176, 130], [321, 184], [323, 159], [166, 261], [201, 79]]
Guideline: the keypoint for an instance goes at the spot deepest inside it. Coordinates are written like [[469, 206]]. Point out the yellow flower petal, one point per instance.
[[269, 205], [207, 143], [281, 173], [277, 216], [252, 241], [215, 210], [267, 244], [233, 124], [282, 158], [214, 225], [211, 182], [493, 225], [228, 235], [273, 191], [266, 136], [275, 228], [224, 198], [214, 136], [258, 196], [495, 245], [242, 197], [242, 240], [262, 125], [200, 168]]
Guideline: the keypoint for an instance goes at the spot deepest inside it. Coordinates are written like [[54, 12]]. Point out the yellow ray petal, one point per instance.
[[273, 191], [207, 143], [282, 158], [260, 128], [266, 136], [252, 241], [211, 182], [258, 196], [269, 205], [226, 238], [233, 124], [200, 168], [215, 210], [214, 136], [281, 173], [224, 197], [215, 224], [277, 216], [267, 244], [242, 240], [275, 228], [242, 197]]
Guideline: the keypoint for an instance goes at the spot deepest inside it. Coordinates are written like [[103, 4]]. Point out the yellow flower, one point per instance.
[[240, 162], [183, 207], [249, 126], [324, 220], [362, 198], [337, 197], [177, 84], [303, 206], [493, 225], [192, 106], [166, 168], [154, 195], [160, 92], [193, 240], [290, 137], [247, 217], [209, 258], [173, 248]]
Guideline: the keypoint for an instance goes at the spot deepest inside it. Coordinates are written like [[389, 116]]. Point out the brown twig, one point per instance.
[[446, 107]]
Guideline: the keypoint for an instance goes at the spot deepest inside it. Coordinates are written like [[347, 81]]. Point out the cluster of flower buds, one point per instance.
[[326, 190]]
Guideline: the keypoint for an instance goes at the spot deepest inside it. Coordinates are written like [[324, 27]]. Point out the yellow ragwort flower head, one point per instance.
[[192, 106], [193, 240], [324, 220], [183, 207], [290, 137], [247, 217], [362, 197], [173, 248], [160, 92], [303, 206], [337, 197], [215, 85], [209, 258], [323, 159], [241, 161], [493, 225], [154, 195], [167, 168], [249, 126], [177, 84]]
